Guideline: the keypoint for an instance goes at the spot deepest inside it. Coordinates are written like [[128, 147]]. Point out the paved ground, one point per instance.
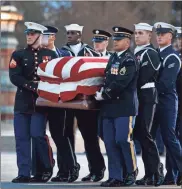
[[9, 168], [9, 171]]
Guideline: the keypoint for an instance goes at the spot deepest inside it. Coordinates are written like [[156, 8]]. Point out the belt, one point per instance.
[[148, 85]]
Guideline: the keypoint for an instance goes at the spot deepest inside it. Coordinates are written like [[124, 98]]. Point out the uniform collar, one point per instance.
[[54, 49], [121, 52], [139, 48], [161, 49], [104, 53]]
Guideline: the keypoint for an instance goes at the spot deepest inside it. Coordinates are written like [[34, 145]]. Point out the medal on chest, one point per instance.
[[46, 58], [114, 69]]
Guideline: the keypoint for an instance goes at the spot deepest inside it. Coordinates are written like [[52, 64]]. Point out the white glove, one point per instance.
[[98, 96]]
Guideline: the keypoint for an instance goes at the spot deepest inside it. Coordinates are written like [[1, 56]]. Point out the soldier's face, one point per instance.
[[120, 45], [73, 37], [31, 37], [100, 46], [179, 41], [142, 37], [164, 39], [48, 40]]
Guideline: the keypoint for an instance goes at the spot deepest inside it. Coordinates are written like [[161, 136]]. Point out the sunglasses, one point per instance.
[[71, 32]]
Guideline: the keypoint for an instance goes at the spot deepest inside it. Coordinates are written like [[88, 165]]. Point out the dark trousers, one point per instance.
[[117, 136], [57, 125], [179, 128], [27, 127], [142, 129], [87, 121], [66, 159], [166, 119]]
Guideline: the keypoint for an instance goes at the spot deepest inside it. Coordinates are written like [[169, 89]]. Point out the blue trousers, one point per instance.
[[166, 119], [27, 127], [117, 136]]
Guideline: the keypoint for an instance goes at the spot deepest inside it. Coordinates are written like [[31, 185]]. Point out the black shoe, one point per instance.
[[42, 178], [60, 178], [112, 183], [74, 173], [146, 180], [179, 180], [158, 179], [98, 175], [131, 178], [21, 179], [167, 182], [87, 178]]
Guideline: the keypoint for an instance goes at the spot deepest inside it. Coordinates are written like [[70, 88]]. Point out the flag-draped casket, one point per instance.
[[70, 82]]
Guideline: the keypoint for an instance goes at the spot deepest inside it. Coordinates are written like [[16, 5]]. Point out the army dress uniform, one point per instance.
[[87, 120], [29, 120], [100, 36], [118, 110], [167, 108]]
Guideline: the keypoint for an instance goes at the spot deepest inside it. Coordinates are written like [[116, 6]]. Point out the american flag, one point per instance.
[[64, 78]]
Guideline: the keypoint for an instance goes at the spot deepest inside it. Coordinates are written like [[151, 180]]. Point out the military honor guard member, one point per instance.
[[87, 120], [56, 119], [118, 110], [29, 120], [149, 61], [167, 108], [101, 41]]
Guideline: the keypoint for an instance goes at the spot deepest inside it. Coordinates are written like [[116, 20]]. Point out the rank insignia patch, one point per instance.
[[122, 71], [13, 64]]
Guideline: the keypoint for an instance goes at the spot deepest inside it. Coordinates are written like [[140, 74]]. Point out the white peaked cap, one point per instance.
[[164, 25], [74, 27], [35, 26], [179, 29], [143, 26]]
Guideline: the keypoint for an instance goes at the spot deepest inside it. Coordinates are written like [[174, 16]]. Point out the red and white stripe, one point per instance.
[[66, 77]]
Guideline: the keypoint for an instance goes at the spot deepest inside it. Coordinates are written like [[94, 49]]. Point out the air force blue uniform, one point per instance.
[[166, 112]]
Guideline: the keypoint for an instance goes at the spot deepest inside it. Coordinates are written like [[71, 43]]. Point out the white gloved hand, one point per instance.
[[98, 96]]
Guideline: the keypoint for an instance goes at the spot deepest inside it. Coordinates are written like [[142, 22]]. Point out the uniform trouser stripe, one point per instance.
[[131, 142]]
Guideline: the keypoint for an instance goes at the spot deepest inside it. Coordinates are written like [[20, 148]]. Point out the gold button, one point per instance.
[[35, 53], [36, 68], [30, 87], [25, 84], [36, 62], [35, 57], [35, 78]]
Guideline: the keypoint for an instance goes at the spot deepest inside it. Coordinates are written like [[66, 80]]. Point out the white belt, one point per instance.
[[148, 85]]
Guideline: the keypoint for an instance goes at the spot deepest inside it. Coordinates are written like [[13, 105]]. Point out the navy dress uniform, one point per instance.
[[167, 108], [100, 36], [147, 94], [86, 120], [118, 111], [29, 120]]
